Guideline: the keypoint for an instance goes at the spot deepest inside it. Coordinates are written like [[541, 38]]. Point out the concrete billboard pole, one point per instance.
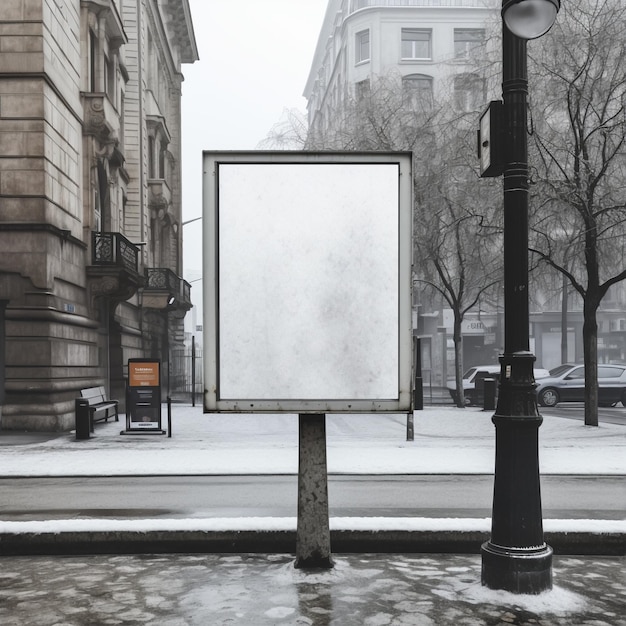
[[313, 548]]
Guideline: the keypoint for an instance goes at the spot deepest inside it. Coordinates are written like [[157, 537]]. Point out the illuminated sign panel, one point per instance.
[[143, 411]]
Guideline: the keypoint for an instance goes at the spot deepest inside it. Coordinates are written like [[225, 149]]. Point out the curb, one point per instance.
[[284, 541]]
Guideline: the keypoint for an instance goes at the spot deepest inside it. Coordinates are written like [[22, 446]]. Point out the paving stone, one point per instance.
[[257, 590]]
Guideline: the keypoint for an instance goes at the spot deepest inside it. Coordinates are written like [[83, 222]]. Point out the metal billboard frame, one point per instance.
[[224, 174]]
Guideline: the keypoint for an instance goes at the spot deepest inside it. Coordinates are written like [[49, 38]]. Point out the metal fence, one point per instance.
[[114, 249], [186, 373], [186, 367]]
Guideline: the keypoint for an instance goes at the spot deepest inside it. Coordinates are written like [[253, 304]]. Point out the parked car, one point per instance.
[[566, 383], [473, 390]]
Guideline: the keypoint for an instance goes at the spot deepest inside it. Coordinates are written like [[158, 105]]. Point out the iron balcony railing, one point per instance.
[[165, 280], [114, 249], [186, 292], [162, 279]]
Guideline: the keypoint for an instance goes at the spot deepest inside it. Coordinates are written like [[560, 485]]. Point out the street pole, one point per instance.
[[193, 370], [313, 549], [516, 558]]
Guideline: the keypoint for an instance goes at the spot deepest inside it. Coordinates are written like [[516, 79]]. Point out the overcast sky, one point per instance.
[[255, 58]]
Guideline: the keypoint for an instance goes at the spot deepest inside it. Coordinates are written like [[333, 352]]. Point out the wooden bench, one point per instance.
[[99, 407]]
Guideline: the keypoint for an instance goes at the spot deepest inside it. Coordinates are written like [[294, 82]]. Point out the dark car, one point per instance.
[[566, 383]]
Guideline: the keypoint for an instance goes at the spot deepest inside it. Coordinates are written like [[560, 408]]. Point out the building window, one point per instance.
[[97, 213], [161, 161], [93, 52], [362, 89], [418, 91], [466, 40], [362, 52], [416, 44], [151, 164], [122, 118], [109, 79], [124, 208], [469, 92]]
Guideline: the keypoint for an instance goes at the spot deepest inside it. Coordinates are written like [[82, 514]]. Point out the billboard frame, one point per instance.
[[215, 163]]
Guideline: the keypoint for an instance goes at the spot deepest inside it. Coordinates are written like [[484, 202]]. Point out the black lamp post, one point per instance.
[[516, 558]]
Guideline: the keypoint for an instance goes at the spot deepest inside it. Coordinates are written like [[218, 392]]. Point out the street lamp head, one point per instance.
[[529, 19]]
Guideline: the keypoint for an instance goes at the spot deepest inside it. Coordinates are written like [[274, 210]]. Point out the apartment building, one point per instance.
[[90, 198], [425, 44]]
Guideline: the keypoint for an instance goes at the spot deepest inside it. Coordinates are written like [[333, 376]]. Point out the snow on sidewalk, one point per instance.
[[288, 524], [447, 441]]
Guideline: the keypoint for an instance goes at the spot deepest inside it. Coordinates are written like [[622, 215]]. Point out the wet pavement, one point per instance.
[[257, 590]]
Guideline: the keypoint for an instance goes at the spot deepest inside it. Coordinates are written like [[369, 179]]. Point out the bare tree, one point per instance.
[[579, 132], [456, 228], [379, 115], [458, 234], [289, 133]]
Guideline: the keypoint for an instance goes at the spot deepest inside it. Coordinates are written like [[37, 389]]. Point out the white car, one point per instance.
[[475, 396]]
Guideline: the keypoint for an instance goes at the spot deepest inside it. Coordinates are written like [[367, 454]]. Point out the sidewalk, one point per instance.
[[447, 441], [266, 590], [388, 571]]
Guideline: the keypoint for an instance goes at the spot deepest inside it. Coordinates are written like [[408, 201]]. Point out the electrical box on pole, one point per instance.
[[490, 149]]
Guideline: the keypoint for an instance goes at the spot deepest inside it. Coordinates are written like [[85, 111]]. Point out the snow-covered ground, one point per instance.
[[447, 441], [286, 524]]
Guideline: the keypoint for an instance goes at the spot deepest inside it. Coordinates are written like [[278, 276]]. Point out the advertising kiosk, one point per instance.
[[143, 397]]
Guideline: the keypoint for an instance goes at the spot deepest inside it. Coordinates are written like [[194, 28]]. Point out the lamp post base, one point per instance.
[[518, 570]]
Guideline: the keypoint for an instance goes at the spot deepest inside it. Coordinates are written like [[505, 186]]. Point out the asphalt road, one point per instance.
[[563, 497], [576, 411]]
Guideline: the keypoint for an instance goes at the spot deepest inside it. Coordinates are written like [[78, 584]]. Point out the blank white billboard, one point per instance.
[[307, 282]]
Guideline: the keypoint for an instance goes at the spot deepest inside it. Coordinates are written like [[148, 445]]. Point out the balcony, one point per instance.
[[186, 294], [165, 290], [114, 249], [101, 120], [114, 270], [159, 196]]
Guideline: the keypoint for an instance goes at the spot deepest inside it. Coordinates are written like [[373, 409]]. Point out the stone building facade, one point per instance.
[[427, 44], [90, 198]]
